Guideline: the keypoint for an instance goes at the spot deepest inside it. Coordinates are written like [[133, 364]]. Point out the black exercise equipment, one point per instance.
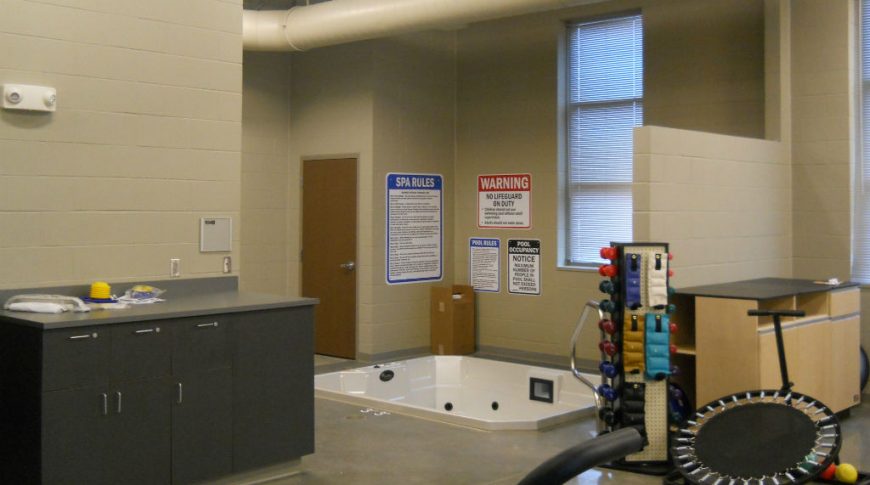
[[579, 458], [865, 369], [768, 436]]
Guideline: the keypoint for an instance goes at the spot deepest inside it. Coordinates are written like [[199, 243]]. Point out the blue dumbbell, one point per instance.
[[607, 306], [606, 286], [607, 392], [608, 369]]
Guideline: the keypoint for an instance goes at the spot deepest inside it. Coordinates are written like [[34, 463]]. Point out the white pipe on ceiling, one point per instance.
[[341, 21]]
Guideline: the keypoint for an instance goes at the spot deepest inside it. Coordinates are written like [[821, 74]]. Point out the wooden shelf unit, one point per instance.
[[722, 350]]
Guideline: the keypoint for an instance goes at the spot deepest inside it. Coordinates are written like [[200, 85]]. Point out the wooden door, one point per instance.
[[329, 201]]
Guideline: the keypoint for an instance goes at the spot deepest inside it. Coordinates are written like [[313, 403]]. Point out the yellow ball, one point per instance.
[[846, 473]]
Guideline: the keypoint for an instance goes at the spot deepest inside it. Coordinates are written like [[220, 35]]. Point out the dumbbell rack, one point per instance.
[[635, 349]]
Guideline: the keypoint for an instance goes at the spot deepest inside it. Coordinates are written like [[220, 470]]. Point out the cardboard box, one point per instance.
[[452, 320]]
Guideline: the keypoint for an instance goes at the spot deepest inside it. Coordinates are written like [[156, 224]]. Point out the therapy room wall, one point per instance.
[[508, 122], [145, 140], [264, 265], [389, 102]]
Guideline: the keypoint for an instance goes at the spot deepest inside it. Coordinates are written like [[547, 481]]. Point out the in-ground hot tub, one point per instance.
[[469, 391]]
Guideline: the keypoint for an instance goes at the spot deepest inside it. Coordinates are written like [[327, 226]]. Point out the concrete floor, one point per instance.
[[360, 448]]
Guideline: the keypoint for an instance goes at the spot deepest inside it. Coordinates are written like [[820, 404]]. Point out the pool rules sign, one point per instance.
[[524, 266], [504, 201]]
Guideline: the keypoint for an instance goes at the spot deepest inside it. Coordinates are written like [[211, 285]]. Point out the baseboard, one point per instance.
[[534, 358], [391, 356]]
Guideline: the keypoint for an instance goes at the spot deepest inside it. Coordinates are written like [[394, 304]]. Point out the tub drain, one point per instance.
[[448, 406]]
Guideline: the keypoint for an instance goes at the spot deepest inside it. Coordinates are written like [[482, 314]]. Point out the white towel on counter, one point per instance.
[[37, 307]]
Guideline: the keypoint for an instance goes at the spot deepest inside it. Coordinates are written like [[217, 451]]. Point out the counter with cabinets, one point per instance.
[[721, 350], [184, 391]]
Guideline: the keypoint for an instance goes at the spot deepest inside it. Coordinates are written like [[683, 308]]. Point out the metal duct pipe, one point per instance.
[[341, 21]]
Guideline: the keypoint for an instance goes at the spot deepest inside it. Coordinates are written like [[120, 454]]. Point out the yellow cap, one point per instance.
[[100, 290]]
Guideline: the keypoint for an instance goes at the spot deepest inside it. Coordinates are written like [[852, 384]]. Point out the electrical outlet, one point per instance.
[[174, 267], [228, 264]]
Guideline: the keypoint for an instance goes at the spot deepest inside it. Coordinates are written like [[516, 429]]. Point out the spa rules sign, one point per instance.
[[504, 201]]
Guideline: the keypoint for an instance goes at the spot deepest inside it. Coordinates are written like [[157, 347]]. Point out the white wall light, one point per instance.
[[28, 97]]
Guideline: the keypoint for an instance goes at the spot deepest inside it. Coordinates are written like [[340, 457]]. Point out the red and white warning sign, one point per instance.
[[504, 201]]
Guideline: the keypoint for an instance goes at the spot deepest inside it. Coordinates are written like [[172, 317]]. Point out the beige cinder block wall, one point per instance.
[[722, 202], [823, 53], [265, 189], [508, 121], [145, 140], [414, 113], [389, 102]]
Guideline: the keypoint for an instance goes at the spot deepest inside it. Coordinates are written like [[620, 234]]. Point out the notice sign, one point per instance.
[[504, 201], [483, 267], [414, 228], [524, 266]]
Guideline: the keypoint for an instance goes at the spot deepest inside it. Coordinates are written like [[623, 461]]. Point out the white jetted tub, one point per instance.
[[468, 391]]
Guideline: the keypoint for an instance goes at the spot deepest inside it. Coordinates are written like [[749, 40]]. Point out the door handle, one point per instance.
[[350, 266]]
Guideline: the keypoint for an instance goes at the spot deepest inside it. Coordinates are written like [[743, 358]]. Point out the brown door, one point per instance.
[[329, 252]]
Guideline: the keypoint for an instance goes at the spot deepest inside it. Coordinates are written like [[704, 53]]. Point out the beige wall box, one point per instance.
[[30, 98], [215, 234]]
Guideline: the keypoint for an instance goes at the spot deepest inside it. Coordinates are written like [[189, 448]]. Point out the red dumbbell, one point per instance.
[[670, 273], [609, 253], [670, 256], [673, 349], [672, 327], [607, 326], [608, 270], [607, 347]]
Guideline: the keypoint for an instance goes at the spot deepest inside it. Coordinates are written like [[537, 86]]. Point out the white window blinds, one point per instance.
[[605, 102], [861, 236]]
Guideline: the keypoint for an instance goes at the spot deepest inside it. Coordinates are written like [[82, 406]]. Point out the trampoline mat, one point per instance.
[[755, 440]]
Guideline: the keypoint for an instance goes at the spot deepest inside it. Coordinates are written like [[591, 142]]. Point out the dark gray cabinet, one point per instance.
[[273, 400], [163, 401]]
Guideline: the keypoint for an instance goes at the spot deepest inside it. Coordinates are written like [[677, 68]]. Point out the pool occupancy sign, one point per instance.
[[524, 266], [504, 201], [414, 228]]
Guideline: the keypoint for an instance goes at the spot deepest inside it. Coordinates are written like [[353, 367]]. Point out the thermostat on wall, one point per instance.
[[215, 234]]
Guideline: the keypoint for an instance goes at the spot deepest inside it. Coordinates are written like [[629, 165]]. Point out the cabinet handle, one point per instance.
[[203, 325], [83, 336], [118, 409], [147, 330], [180, 393], [105, 400]]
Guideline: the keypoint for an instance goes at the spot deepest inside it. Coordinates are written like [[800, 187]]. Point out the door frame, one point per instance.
[[332, 156]]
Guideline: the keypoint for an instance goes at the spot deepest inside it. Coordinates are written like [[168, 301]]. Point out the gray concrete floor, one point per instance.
[[360, 448]]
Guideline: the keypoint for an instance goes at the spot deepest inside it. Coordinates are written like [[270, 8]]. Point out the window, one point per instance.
[[604, 104], [861, 229]]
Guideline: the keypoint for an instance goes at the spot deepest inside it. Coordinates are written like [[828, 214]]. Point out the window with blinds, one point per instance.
[[861, 234], [605, 102]]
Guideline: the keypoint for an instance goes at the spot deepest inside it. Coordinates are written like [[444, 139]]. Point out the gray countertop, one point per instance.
[[761, 289], [190, 305]]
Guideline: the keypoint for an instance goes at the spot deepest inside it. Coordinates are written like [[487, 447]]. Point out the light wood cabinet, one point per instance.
[[721, 350]]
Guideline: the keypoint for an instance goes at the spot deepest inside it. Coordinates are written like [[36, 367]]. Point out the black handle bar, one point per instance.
[[781, 313], [579, 458]]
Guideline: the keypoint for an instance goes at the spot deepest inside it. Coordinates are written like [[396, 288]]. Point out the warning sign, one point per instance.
[[414, 228], [524, 266], [504, 201], [483, 264]]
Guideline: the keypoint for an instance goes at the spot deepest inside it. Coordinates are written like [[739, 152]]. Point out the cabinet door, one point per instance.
[[200, 344], [273, 387], [75, 429], [76, 357], [139, 438], [141, 351], [202, 430], [845, 374]]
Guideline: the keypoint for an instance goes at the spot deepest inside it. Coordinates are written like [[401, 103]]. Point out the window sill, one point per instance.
[[581, 268]]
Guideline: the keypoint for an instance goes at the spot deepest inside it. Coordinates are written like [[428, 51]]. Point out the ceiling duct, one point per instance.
[[341, 21]]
